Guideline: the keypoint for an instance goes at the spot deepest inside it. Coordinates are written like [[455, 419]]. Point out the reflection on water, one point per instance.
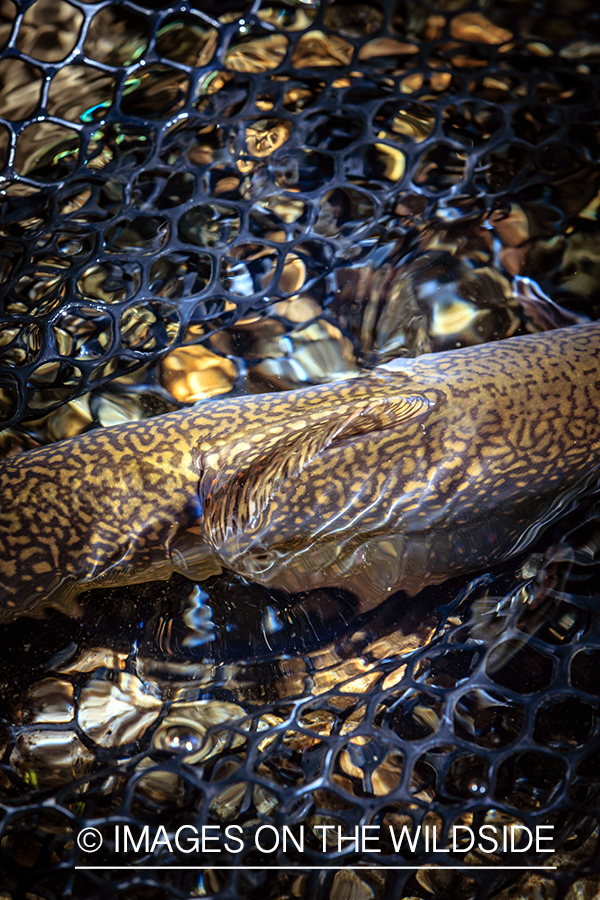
[[339, 184], [226, 703]]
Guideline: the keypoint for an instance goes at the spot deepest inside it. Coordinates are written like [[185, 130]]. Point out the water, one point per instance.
[[435, 187]]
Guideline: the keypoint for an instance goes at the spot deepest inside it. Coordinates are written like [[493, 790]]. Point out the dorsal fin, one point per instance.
[[239, 495]]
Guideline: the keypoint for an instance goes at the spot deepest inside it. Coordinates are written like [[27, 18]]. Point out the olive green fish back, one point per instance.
[[400, 478]]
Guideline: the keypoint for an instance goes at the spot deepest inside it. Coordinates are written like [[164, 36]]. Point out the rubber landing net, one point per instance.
[[232, 197]]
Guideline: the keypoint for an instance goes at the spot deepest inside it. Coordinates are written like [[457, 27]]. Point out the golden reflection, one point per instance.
[[257, 54], [267, 135], [315, 49], [476, 27], [195, 373]]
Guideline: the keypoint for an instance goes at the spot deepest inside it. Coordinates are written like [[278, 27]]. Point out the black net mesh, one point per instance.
[[253, 196]]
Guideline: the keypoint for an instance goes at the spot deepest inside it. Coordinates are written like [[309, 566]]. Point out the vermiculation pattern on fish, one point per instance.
[[417, 471]]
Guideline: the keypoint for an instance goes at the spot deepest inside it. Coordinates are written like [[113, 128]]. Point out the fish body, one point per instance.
[[417, 471]]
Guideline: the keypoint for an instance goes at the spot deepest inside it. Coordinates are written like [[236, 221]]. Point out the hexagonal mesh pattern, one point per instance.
[[265, 192], [479, 711], [167, 173]]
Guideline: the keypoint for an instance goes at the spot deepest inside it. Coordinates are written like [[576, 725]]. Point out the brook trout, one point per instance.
[[418, 471]]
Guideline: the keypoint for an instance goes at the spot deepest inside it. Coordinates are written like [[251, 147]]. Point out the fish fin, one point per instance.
[[189, 556], [385, 413], [139, 570], [239, 495], [184, 553], [65, 600], [49, 592]]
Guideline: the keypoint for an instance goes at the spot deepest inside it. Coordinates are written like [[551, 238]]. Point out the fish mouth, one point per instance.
[[374, 567], [259, 566], [292, 569]]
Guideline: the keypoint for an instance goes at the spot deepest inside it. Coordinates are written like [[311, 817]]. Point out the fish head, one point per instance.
[[309, 500]]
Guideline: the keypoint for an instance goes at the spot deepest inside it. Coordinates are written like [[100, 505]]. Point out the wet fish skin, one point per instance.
[[417, 471]]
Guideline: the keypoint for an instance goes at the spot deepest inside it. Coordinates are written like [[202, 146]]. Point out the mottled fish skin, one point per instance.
[[415, 472]]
